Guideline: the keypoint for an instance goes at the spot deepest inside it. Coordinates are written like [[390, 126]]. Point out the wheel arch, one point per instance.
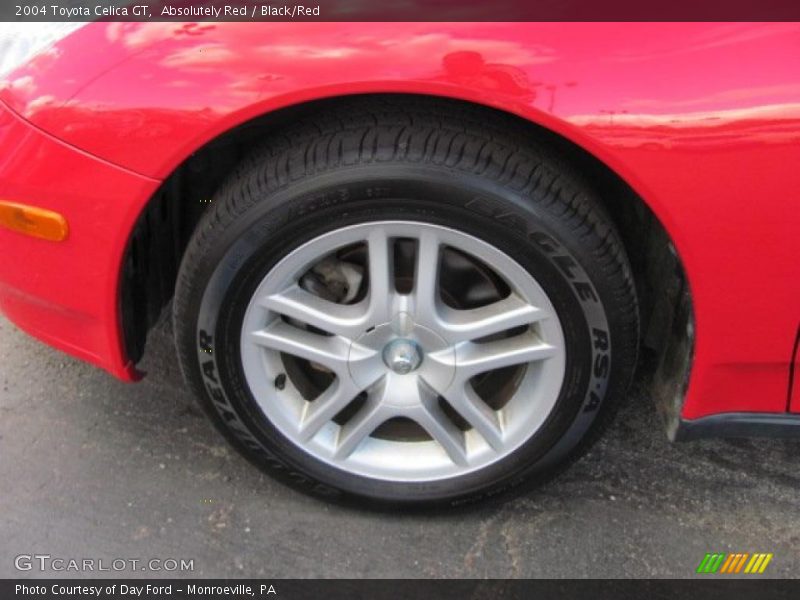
[[162, 231]]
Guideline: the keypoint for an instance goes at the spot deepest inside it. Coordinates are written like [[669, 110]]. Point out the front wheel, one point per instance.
[[403, 322]]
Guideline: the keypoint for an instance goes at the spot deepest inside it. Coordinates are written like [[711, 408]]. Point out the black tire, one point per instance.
[[414, 160]]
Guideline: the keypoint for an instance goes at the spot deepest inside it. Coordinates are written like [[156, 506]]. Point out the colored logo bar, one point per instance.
[[739, 562]]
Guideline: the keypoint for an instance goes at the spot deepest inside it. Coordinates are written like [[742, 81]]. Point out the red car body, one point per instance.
[[701, 120]]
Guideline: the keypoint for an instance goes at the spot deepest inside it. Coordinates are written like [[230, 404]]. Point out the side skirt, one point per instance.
[[738, 425]]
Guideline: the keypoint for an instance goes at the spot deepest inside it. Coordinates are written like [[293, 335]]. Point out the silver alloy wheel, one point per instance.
[[411, 356]]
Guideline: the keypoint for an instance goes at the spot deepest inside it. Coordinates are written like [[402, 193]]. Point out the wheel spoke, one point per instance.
[[426, 276], [472, 324], [430, 416], [372, 414], [339, 319], [478, 414], [472, 359], [329, 351], [322, 410], [381, 275], [466, 402]]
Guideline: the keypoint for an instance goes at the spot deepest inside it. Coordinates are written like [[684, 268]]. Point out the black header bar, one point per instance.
[[398, 10]]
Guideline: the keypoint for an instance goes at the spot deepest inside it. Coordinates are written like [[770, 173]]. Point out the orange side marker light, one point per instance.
[[33, 221]]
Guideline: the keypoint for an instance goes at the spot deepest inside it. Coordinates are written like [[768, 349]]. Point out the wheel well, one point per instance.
[[163, 230]]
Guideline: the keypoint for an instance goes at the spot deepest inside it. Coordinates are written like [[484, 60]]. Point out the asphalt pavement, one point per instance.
[[91, 467]]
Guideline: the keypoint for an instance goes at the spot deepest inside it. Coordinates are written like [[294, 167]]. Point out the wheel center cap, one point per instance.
[[402, 356], [385, 349]]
